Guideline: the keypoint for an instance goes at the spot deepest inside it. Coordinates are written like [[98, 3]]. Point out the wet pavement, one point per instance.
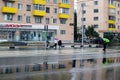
[[51, 64]]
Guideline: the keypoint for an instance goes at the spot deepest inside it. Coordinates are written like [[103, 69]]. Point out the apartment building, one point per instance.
[[34, 20], [102, 14]]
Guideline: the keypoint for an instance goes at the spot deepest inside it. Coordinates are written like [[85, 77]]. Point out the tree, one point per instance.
[[75, 26], [91, 33]]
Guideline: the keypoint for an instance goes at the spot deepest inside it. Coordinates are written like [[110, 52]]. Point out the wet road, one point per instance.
[[20, 57]]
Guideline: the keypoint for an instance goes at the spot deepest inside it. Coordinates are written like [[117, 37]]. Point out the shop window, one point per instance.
[[8, 70], [34, 34], [37, 67], [18, 69], [61, 66], [27, 68]]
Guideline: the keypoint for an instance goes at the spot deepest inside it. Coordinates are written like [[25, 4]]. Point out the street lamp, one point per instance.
[[82, 6], [46, 32]]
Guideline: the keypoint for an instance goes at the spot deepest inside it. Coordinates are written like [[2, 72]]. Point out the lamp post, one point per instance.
[[46, 32], [82, 6]]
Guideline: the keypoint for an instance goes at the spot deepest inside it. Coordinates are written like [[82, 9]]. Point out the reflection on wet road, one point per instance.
[[58, 64]]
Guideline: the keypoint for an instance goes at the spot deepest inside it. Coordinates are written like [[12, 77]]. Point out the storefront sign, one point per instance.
[[14, 25]]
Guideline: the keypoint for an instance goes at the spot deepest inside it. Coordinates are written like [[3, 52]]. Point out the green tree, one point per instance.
[[75, 26], [91, 33]]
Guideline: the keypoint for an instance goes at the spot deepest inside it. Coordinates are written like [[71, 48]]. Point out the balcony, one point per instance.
[[39, 13], [61, 15], [62, 5], [111, 6], [111, 22], [9, 10], [111, 29], [43, 2], [10, 0]]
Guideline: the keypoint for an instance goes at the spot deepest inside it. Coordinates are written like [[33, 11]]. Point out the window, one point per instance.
[[47, 0], [95, 18], [38, 19], [110, 1], [8, 4], [54, 21], [111, 25], [83, 19], [63, 21], [54, 1], [27, 68], [18, 69], [95, 25], [62, 32], [66, 1], [39, 7], [96, 10], [84, 12], [64, 10], [36, 67], [8, 17], [54, 10], [95, 2], [47, 20], [8, 70], [28, 19], [47, 10], [28, 7], [19, 18], [19, 6], [111, 17]]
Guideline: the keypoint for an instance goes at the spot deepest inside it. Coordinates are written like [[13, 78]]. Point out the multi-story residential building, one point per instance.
[[29, 20], [103, 14]]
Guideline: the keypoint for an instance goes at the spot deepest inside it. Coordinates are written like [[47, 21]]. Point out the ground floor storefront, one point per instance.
[[26, 32]]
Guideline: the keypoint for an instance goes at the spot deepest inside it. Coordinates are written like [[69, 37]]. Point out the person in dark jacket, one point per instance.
[[60, 43], [104, 45]]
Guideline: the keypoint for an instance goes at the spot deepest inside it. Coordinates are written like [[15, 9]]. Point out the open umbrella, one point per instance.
[[106, 40]]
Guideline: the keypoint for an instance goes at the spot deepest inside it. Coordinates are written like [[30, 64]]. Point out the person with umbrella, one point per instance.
[[105, 41]]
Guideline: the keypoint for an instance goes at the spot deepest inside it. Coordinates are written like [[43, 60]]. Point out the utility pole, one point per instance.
[[46, 34], [82, 6]]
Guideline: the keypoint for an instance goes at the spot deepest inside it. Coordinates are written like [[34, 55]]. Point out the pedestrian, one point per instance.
[[104, 45], [48, 43], [55, 43], [60, 44]]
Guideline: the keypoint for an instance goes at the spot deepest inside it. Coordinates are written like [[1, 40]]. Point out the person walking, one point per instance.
[[60, 44], [55, 43], [104, 45]]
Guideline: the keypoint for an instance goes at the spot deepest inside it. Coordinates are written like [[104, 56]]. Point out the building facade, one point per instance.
[[102, 14], [36, 20]]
